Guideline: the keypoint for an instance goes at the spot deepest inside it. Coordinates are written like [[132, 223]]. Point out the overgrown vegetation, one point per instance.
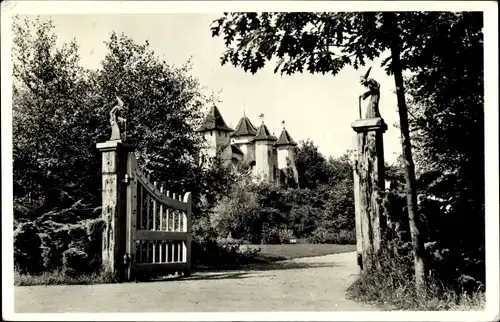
[[320, 212], [447, 126], [60, 111], [394, 289], [436, 215]]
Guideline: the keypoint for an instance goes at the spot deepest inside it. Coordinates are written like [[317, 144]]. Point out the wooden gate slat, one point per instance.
[[151, 235], [161, 227], [163, 245]]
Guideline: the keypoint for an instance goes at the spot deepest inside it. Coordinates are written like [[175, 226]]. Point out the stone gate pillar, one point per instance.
[[114, 167], [369, 184]]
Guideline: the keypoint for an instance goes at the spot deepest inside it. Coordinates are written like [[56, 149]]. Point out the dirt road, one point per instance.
[[304, 284]]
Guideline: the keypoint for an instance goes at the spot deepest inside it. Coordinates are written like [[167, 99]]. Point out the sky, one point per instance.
[[317, 107]]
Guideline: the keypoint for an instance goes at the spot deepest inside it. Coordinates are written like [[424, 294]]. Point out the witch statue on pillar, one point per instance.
[[373, 92], [114, 119]]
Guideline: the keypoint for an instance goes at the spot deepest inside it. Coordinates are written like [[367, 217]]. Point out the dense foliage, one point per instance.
[[447, 126], [321, 210], [447, 123], [61, 110], [443, 51]]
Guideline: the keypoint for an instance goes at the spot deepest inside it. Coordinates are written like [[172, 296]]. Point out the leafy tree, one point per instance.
[[51, 114], [164, 105], [326, 42], [311, 165], [61, 110], [447, 123]]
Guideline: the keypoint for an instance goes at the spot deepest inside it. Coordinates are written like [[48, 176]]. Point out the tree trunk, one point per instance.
[[410, 186]]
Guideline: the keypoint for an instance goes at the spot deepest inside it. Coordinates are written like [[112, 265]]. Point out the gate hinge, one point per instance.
[[127, 178]]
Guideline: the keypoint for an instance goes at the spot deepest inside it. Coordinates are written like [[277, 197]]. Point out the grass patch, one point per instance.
[[376, 290], [58, 278], [391, 286], [291, 251]]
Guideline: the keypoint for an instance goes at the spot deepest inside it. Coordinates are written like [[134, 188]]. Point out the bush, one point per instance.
[[56, 238], [276, 235], [270, 235], [392, 285], [322, 235], [210, 250], [238, 214], [27, 252], [75, 262], [41, 245], [93, 245], [346, 237], [285, 235]]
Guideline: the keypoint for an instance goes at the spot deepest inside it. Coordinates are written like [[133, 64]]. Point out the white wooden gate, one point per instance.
[[158, 232]]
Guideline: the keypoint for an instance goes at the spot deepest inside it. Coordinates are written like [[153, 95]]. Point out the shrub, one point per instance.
[[321, 235], [75, 262], [285, 235], [93, 245], [270, 235], [51, 253], [238, 214], [210, 250], [27, 251], [392, 284], [346, 237], [55, 240], [276, 235]]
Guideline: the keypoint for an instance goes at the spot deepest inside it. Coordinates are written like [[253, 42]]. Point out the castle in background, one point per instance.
[[269, 158]]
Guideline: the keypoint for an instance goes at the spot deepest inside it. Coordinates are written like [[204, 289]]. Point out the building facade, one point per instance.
[[269, 158]]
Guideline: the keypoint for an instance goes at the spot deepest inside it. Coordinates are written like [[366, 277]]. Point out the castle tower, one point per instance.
[[264, 153], [243, 137], [286, 155], [217, 135]]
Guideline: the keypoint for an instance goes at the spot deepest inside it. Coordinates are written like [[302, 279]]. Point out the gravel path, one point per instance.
[[303, 284]]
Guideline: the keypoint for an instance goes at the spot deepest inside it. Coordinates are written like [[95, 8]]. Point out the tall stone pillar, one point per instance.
[[114, 168], [369, 184]]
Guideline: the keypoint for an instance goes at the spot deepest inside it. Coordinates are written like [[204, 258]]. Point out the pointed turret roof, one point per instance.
[[285, 139], [264, 134], [214, 121], [244, 127]]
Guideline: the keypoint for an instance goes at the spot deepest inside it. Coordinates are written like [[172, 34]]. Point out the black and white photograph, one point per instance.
[[244, 160]]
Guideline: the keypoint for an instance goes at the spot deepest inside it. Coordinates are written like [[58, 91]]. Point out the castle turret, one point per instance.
[[286, 155], [243, 137], [217, 135], [264, 141]]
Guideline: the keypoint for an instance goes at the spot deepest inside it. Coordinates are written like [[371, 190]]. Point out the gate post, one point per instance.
[[188, 230], [369, 184], [114, 168]]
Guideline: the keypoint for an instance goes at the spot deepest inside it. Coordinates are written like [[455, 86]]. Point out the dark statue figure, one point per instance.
[[115, 119], [373, 92]]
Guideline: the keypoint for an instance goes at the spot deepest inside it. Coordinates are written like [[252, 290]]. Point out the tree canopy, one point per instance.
[[61, 110], [326, 42]]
